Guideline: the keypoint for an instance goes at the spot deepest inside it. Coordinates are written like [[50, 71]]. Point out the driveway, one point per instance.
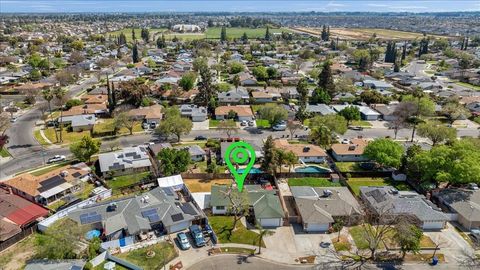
[[309, 243], [281, 240], [201, 125]]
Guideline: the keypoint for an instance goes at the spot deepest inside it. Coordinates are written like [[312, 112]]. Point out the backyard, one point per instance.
[[356, 183], [349, 167], [312, 182], [119, 182], [162, 253], [200, 185], [223, 225]]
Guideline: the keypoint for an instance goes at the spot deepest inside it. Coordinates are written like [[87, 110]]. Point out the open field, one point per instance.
[[237, 32], [366, 33]]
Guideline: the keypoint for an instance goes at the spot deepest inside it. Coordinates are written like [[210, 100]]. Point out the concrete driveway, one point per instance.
[[309, 243], [282, 240], [204, 125]]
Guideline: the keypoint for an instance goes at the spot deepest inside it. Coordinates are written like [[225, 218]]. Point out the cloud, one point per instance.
[[407, 7], [334, 4], [377, 5]]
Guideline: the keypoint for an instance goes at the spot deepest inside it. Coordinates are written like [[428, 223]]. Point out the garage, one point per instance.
[[270, 222], [433, 225], [178, 227], [316, 227]]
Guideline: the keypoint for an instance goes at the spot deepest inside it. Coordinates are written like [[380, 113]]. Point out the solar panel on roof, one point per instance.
[[153, 218], [177, 217], [188, 209], [51, 183], [91, 217], [168, 191]]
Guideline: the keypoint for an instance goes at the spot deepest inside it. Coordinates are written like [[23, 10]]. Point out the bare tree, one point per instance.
[[403, 112], [227, 127], [124, 120], [238, 207], [293, 127]]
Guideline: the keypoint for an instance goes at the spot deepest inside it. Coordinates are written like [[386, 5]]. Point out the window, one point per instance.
[[220, 207]]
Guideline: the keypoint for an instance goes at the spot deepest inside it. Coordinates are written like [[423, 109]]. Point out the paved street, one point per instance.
[[233, 262]]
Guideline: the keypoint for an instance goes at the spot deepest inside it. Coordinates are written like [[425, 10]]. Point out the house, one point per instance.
[[366, 113], [307, 153], [463, 204], [17, 213], [352, 152], [390, 203], [126, 161], [319, 207], [162, 209], [49, 187], [320, 109], [246, 79], [94, 99], [150, 114], [233, 96], [195, 151], [386, 111], [265, 205], [157, 147], [55, 264], [377, 85], [257, 147], [194, 112], [242, 112], [86, 109], [266, 96], [79, 122]]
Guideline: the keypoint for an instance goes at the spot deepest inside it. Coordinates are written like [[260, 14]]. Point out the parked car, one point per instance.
[[145, 125], [243, 123], [345, 141], [251, 123], [197, 236], [56, 158], [153, 125], [183, 241], [208, 228], [280, 127], [356, 128], [200, 138], [13, 119]]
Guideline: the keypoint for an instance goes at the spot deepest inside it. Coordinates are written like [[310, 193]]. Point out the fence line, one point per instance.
[[18, 237]]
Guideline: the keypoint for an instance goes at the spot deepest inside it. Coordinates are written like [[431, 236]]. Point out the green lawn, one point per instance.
[[312, 182], [237, 250], [213, 123], [40, 138], [164, 252], [361, 123], [4, 152], [356, 183], [101, 266], [349, 167], [49, 168], [262, 123], [68, 137], [223, 224], [138, 31], [358, 235], [106, 125], [474, 87], [237, 32], [119, 182]]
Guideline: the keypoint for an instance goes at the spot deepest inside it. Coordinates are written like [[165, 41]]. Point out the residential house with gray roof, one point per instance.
[[265, 207], [126, 161], [389, 202], [194, 112], [320, 109], [464, 204], [161, 209], [320, 207]]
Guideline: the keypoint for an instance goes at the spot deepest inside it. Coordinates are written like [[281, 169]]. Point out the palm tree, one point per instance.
[[48, 96], [291, 159], [262, 233], [60, 94]]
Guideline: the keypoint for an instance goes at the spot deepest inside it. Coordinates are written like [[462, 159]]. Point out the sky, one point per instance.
[[8, 6]]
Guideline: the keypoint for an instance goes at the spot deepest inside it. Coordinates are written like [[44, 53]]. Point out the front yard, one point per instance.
[[361, 123], [356, 183], [312, 182], [161, 254], [262, 123], [68, 137], [223, 225], [213, 123]]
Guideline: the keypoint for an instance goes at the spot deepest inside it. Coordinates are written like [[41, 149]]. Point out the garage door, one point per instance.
[[179, 227], [313, 227], [270, 222], [433, 225]]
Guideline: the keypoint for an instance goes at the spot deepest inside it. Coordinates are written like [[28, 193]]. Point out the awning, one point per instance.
[[174, 181], [54, 191]]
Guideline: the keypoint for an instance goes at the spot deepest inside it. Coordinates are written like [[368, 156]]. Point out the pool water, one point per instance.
[[253, 170], [311, 169]]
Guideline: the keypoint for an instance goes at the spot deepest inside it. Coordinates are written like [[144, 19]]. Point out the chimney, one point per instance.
[[352, 147]]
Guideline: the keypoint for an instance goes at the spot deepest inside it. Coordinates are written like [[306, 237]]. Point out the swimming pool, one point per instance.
[[253, 170], [311, 169]]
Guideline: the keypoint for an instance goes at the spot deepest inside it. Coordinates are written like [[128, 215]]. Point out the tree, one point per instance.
[[236, 81], [455, 111], [173, 161], [135, 56], [386, 152], [132, 92], [261, 234], [57, 243], [334, 122], [437, 132], [47, 94], [207, 90], [227, 127], [187, 82], [350, 113], [124, 120], [76, 57], [72, 103], [161, 43], [325, 79], [60, 94], [65, 77], [238, 206], [273, 113], [260, 72], [322, 136], [279, 158], [268, 161], [293, 126], [174, 124], [268, 36], [408, 237], [302, 89], [223, 34], [78, 45], [422, 106], [325, 35], [373, 97], [290, 160], [320, 96], [133, 34], [244, 37], [235, 67], [85, 148]]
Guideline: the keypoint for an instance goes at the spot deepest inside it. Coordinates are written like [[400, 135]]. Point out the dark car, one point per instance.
[[207, 228], [197, 236], [200, 138]]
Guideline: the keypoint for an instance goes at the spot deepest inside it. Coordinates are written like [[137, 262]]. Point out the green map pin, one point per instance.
[[238, 153]]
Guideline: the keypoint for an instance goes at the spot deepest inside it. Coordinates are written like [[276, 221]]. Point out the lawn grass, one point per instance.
[[262, 123], [358, 235], [237, 32], [4, 152], [213, 123], [68, 137], [312, 182], [164, 252], [101, 266], [423, 257], [223, 224], [106, 125], [138, 31], [349, 167], [199, 185], [341, 244], [118, 182], [468, 85], [54, 206], [49, 168], [356, 183], [38, 136], [237, 250], [360, 123]]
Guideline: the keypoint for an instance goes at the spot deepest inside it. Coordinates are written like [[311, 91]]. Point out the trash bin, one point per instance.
[[434, 260]]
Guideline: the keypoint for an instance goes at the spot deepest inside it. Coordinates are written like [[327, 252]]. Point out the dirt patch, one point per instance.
[[200, 185], [15, 256], [308, 259]]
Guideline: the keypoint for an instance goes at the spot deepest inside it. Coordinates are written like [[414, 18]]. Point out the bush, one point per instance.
[[72, 103]]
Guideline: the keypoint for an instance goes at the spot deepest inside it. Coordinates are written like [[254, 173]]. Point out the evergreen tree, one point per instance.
[[324, 34], [244, 37], [404, 51], [328, 33], [223, 34], [135, 56], [302, 89], [161, 43], [466, 44], [111, 106], [325, 79], [267, 34], [396, 67], [133, 34], [207, 91], [268, 163], [145, 35]]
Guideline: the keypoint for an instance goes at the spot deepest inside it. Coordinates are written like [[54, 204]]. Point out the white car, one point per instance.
[[280, 127], [56, 158], [345, 141]]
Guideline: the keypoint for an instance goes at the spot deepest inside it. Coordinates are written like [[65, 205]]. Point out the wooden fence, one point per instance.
[[18, 237]]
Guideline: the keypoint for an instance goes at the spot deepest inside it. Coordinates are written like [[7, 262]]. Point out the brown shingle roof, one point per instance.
[[299, 149], [356, 147], [240, 110]]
